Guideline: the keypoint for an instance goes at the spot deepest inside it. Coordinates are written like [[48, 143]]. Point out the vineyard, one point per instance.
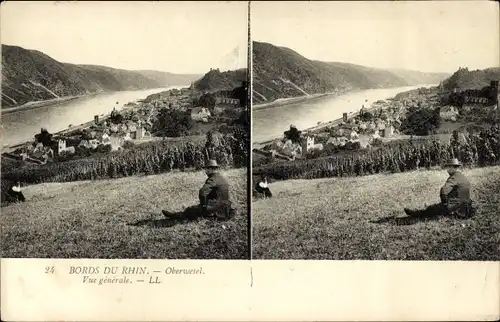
[[474, 150], [230, 151]]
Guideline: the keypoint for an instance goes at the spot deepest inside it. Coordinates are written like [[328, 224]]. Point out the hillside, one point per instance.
[[30, 75], [279, 72], [347, 219], [214, 80], [122, 218], [475, 79]]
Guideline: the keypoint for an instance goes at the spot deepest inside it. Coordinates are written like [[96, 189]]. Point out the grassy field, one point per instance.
[[351, 219], [122, 218]]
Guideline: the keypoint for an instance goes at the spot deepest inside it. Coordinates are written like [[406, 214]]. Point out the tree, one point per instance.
[[241, 93], [366, 116], [421, 122], [44, 137], [208, 100], [173, 123], [116, 118], [293, 134]]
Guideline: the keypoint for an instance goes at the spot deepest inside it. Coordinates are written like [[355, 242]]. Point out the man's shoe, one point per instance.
[[409, 212], [167, 214]]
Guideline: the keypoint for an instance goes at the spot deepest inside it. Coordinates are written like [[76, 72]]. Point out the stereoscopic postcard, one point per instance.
[[250, 160]]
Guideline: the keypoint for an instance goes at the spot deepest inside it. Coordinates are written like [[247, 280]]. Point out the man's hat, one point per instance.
[[453, 163], [211, 164]]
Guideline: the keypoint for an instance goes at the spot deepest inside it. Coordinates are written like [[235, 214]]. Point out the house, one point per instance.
[[123, 128], [126, 136], [90, 144], [376, 135], [219, 109], [94, 143], [289, 148], [380, 125], [308, 144], [84, 144], [132, 127], [139, 133], [200, 114], [448, 113], [38, 147], [337, 141], [340, 132], [318, 146], [116, 143], [227, 101], [105, 138], [389, 131], [353, 135], [344, 117], [62, 148]]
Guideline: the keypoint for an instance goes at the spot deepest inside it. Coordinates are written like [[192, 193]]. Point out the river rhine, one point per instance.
[[270, 123], [23, 125]]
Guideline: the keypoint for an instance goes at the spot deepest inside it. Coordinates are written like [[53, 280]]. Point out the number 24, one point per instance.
[[49, 269]]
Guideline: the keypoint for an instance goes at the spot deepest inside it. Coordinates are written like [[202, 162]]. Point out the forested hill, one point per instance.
[[215, 80], [475, 79], [280, 72], [30, 75]]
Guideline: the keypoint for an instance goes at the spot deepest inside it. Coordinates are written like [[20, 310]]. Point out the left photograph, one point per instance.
[[125, 130]]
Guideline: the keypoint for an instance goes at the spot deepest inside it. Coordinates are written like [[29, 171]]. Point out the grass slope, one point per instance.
[[91, 219], [331, 219]]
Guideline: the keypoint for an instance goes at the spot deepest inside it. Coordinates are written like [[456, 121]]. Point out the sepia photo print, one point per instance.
[[375, 130], [126, 130]]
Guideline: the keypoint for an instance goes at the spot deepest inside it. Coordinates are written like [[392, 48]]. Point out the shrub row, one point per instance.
[[480, 149]]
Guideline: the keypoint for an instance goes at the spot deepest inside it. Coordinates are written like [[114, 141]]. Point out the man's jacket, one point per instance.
[[214, 195], [455, 194]]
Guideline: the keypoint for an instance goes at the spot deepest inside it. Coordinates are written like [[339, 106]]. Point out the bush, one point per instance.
[[481, 149], [377, 142], [128, 145], [147, 158], [103, 148]]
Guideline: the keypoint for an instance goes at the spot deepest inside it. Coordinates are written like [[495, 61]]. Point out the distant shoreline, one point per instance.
[[290, 100], [39, 104]]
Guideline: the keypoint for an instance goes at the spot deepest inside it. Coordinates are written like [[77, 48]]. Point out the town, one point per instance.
[[136, 123], [383, 122]]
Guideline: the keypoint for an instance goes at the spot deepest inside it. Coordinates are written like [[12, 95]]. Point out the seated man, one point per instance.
[[213, 196], [14, 194], [262, 189], [455, 196]]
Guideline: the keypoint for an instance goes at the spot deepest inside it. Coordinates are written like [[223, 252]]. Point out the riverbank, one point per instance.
[[39, 104], [290, 100], [321, 126]]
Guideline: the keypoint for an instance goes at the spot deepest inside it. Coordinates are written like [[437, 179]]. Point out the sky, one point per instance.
[[429, 36], [177, 37]]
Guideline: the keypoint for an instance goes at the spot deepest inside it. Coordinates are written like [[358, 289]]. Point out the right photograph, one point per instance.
[[375, 130]]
